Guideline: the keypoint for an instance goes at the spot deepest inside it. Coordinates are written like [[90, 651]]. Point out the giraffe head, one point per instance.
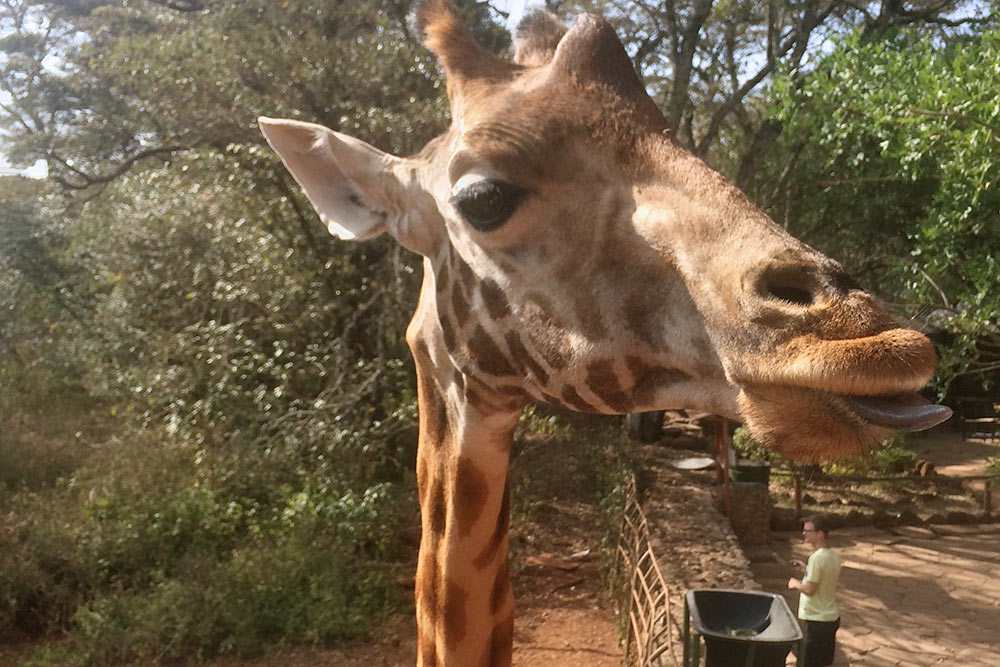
[[574, 253]]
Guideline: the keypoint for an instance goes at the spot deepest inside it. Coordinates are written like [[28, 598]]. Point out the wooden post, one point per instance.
[[722, 454], [721, 466], [987, 497], [797, 485]]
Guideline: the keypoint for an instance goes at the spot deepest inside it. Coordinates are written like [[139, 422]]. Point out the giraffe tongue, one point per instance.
[[905, 412]]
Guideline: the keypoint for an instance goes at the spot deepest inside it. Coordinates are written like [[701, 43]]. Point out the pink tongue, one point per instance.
[[903, 413]]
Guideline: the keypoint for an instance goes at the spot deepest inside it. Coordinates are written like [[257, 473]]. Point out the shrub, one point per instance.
[[302, 587], [748, 448], [152, 552], [890, 457]]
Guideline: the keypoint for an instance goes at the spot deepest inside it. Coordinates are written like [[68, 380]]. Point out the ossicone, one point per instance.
[[536, 38], [438, 25]]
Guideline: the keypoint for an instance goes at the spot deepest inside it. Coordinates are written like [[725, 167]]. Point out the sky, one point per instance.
[[515, 9], [36, 171]]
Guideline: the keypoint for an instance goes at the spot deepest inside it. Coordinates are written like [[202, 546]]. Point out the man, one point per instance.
[[817, 602]]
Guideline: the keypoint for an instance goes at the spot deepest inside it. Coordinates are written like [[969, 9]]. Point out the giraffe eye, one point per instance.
[[487, 204]]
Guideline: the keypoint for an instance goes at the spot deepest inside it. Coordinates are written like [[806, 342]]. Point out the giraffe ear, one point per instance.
[[348, 182]]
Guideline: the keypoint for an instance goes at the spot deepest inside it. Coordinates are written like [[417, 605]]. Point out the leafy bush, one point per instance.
[[748, 448], [43, 575], [993, 467], [889, 458], [172, 557], [306, 585]]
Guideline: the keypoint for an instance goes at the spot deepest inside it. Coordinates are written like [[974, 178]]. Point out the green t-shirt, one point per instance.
[[823, 570]]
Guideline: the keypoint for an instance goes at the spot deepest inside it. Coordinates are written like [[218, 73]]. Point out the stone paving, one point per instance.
[[909, 596]]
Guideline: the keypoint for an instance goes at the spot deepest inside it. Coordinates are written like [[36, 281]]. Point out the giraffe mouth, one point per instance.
[[899, 412], [812, 425]]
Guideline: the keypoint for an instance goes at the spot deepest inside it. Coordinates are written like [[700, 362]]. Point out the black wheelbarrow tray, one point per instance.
[[740, 628]]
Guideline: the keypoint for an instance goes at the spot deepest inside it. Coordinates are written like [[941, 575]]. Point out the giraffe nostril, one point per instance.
[[796, 285], [796, 295]]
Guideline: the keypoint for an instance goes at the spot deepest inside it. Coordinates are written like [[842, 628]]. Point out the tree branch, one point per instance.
[[89, 181], [960, 116], [798, 39]]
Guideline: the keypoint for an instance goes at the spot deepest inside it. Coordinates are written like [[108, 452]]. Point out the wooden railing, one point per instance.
[[644, 602], [980, 417]]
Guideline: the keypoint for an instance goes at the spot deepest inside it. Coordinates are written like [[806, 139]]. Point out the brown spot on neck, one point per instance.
[[428, 583], [459, 307], [437, 510], [466, 277], [455, 617], [548, 337], [645, 323], [494, 299], [524, 359], [471, 494], [501, 589], [487, 355], [432, 413], [572, 399], [588, 316], [603, 381], [647, 379], [489, 553], [501, 643]]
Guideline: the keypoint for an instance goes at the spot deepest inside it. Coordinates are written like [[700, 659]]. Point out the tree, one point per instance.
[[708, 62], [899, 142], [43, 404], [250, 370]]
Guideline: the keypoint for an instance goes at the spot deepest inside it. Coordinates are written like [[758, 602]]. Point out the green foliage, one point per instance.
[[45, 412], [175, 554], [993, 465], [707, 63], [533, 421], [228, 577], [207, 405], [900, 135], [889, 458], [748, 448], [597, 474]]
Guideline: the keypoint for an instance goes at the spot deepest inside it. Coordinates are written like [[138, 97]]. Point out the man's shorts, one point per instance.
[[819, 642]]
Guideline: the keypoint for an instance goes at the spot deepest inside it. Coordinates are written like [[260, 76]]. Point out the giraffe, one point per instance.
[[574, 253]]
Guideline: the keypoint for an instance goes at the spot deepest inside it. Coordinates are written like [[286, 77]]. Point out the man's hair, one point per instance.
[[819, 523]]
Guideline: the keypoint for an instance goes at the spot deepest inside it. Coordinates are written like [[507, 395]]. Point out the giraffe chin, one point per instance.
[[812, 426]]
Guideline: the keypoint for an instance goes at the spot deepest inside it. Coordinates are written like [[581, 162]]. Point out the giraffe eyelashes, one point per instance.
[[488, 204]]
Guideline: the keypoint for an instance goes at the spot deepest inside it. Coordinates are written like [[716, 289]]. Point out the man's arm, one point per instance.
[[807, 587]]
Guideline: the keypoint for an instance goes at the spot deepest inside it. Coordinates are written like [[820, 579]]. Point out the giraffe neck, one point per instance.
[[464, 603]]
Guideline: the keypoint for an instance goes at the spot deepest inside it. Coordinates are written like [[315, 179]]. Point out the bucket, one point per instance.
[[755, 472]]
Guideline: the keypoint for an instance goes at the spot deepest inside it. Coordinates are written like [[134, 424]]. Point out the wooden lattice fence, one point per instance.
[[644, 602]]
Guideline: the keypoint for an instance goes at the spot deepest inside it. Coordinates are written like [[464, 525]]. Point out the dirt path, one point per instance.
[[909, 597], [951, 455]]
